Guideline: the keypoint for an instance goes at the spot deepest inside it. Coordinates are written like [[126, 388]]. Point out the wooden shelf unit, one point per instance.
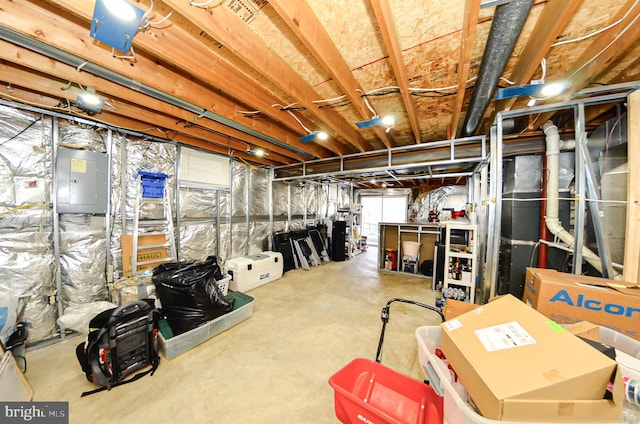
[[460, 260]]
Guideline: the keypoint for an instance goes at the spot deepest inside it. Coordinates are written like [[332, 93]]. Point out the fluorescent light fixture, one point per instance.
[[539, 90], [377, 121], [90, 102], [115, 23], [316, 135]]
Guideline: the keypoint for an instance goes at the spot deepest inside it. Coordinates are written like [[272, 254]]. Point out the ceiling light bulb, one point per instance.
[[322, 135], [259, 153], [553, 89], [121, 9], [388, 121]]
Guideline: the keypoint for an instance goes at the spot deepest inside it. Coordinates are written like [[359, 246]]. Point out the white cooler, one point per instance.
[[254, 271]]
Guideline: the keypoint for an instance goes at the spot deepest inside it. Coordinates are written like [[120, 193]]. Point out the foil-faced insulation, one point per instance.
[[259, 193], [435, 200], [239, 237], [311, 202], [198, 203], [198, 214], [27, 261], [27, 267], [297, 201], [82, 138], [83, 256], [239, 189], [259, 237], [197, 241]]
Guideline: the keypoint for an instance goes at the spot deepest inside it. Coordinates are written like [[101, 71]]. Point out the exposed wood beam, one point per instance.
[[37, 62], [467, 41], [220, 23], [304, 23], [384, 16], [602, 52], [52, 89], [35, 21], [176, 46], [46, 102], [551, 22]]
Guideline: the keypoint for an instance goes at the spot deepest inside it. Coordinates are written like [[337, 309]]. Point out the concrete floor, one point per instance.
[[273, 367]]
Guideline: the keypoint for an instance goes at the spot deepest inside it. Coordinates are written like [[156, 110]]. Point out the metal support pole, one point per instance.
[[578, 222]]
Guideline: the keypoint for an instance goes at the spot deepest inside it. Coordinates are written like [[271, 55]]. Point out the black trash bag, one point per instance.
[[189, 294]]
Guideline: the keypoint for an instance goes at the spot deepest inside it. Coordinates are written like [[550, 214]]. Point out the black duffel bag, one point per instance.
[[189, 294]]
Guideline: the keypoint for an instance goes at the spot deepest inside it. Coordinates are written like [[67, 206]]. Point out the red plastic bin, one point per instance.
[[367, 391]]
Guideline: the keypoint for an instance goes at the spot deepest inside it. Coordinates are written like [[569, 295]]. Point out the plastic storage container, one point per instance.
[[223, 284], [152, 184], [456, 409], [411, 248], [368, 392], [253, 271], [242, 310]]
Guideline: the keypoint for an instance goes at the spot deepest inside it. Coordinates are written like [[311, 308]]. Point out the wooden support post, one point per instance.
[[632, 235]]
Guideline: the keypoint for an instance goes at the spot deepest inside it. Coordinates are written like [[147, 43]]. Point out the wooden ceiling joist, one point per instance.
[[468, 38], [388, 31], [229, 30], [304, 23]]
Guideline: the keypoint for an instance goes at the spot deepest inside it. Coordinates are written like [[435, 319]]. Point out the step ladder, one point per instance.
[[152, 190]]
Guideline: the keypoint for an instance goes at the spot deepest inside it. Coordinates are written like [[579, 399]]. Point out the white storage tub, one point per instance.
[[254, 271], [456, 408]]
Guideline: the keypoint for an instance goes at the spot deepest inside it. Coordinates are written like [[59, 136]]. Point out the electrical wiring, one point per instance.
[[26, 206], [203, 5], [21, 131], [329, 100], [366, 102], [335, 105], [131, 56], [148, 23], [616, 38], [601, 30]]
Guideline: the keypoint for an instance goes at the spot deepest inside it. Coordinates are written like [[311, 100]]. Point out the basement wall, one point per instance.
[[228, 222]]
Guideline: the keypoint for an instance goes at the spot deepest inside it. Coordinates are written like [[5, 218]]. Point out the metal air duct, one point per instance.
[[508, 21]]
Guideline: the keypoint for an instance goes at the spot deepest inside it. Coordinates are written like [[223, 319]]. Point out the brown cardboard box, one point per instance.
[[518, 365], [126, 242], [569, 298], [453, 308]]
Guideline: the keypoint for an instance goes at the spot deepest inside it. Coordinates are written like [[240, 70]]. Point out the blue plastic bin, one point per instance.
[[152, 184]]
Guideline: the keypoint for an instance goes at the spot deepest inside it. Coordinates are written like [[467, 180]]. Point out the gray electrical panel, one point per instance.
[[82, 181]]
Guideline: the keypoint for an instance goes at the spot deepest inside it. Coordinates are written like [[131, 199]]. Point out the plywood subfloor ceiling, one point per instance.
[[233, 76]]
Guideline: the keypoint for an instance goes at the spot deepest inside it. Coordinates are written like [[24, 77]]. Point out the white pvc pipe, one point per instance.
[[552, 217]]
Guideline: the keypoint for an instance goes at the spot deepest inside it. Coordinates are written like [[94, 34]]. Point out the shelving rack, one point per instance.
[[460, 260], [353, 216]]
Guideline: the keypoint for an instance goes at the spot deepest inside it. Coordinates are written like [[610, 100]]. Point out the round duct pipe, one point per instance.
[[507, 24]]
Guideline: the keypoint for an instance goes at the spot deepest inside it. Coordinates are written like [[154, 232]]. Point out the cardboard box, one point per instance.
[[453, 308], [517, 365], [126, 242], [568, 298]]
